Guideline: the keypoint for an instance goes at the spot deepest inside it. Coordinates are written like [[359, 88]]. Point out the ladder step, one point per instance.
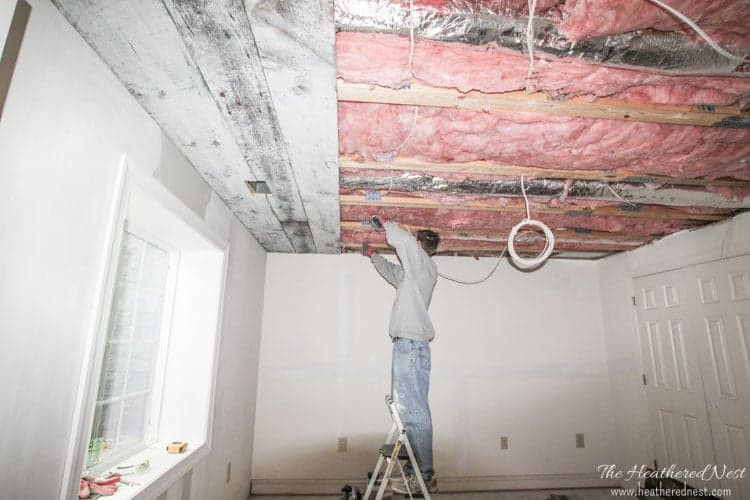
[[387, 450]]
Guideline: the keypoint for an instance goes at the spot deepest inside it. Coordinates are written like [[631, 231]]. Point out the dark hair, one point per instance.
[[429, 240]]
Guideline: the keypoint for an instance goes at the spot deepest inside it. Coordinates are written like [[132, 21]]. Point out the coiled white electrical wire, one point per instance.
[[519, 261], [528, 221]]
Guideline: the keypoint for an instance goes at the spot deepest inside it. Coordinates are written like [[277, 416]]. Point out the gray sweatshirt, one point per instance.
[[414, 280]]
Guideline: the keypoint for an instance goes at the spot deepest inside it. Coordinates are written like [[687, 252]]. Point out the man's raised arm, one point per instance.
[[406, 245], [393, 273]]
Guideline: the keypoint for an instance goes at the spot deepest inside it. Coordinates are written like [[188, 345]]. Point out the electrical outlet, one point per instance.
[[579, 441], [229, 471], [503, 442], [342, 444]]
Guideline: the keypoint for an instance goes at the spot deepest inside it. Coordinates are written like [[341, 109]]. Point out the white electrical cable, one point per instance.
[[700, 32], [521, 262], [463, 282], [548, 247], [530, 42], [616, 195], [411, 36], [525, 200], [411, 130], [412, 42]]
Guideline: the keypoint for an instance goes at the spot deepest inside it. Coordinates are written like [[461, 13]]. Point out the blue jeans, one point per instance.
[[410, 384]]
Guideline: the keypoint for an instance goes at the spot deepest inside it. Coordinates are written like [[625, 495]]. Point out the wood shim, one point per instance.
[[611, 109]]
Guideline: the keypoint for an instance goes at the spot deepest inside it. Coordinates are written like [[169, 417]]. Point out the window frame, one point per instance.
[[130, 182]]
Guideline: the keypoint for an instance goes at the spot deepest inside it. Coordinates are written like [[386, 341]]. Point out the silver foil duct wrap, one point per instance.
[[478, 24]]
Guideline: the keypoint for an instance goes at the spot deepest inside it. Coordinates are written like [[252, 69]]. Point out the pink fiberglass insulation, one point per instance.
[[726, 20], [383, 60], [375, 131], [473, 219]]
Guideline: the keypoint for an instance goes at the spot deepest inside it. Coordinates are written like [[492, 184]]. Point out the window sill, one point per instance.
[[165, 470]]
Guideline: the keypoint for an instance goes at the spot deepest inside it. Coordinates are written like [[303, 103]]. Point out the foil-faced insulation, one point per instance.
[[554, 189], [480, 23]]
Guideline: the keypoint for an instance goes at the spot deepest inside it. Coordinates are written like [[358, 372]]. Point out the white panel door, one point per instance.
[[723, 314], [679, 418]]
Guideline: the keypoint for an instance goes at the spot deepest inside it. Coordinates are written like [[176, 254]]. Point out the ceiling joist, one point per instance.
[[646, 212], [493, 249], [539, 102], [491, 168], [477, 253], [351, 228]]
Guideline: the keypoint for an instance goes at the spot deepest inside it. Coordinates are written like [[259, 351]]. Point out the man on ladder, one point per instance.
[[411, 330]]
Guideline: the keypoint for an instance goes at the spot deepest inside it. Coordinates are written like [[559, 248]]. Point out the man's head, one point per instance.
[[429, 240]]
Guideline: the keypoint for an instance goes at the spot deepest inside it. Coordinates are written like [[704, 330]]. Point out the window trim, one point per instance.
[[128, 180]]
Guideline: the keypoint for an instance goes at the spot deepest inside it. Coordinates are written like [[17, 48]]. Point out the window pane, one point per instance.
[[155, 262], [104, 435], [131, 260], [114, 371], [127, 375], [133, 426], [148, 315], [123, 312], [141, 367]]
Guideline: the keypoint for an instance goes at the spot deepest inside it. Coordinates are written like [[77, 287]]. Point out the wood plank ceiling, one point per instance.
[[248, 91]]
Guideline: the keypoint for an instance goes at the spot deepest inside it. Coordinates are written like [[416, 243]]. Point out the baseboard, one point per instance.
[[445, 484]]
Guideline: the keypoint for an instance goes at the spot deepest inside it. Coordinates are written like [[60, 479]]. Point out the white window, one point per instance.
[[126, 410], [150, 366]]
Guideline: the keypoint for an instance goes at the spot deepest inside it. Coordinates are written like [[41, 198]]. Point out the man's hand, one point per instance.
[[377, 222], [367, 249]]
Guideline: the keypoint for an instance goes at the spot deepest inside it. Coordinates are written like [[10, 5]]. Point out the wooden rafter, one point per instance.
[[648, 212], [351, 228], [471, 248], [611, 109], [490, 168], [463, 252]]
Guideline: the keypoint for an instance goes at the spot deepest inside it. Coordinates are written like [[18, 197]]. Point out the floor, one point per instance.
[[572, 494]]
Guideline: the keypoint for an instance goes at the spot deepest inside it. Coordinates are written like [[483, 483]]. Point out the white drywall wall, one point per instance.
[[64, 127], [521, 355], [616, 273], [6, 16]]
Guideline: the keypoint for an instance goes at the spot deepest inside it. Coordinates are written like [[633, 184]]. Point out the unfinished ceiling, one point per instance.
[[628, 128], [623, 136]]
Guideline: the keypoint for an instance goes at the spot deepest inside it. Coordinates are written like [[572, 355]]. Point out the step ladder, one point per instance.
[[396, 448]]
